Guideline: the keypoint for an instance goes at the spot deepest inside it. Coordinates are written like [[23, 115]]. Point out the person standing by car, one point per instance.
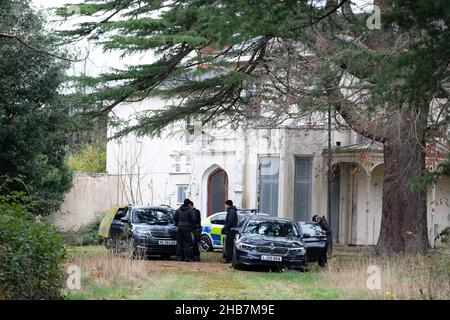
[[184, 219], [323, 223], [231, 221], [196, 232]]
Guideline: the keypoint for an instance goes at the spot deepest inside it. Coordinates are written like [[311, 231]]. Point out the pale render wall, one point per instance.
[[146, 167], [91, 195], [438, 207], [145, 164]]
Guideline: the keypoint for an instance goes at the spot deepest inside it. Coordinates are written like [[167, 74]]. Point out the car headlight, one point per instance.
[[244, 246], [297, 250]]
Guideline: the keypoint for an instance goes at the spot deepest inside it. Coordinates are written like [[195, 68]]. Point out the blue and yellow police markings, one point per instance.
[[105, 224], [214, 231]]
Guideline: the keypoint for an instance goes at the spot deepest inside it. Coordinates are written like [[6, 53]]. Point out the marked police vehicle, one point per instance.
[[212, 237]]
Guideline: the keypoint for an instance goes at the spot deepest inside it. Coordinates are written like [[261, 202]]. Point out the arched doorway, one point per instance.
[[217, 191]]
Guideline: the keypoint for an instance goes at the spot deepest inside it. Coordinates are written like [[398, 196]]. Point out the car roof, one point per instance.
[[267, 217], [152, 207], [246, 213], [308, 223]]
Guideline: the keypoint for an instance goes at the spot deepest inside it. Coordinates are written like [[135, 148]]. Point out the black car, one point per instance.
[[314, 240], [271, 242], [147, 230]]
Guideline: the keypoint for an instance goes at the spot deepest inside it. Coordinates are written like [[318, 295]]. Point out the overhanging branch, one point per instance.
[[28, 46]]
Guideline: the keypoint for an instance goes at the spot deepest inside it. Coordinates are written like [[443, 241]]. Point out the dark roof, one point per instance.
[[266, 217]]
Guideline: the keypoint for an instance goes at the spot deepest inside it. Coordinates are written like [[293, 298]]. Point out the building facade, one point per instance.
[[280, 171]]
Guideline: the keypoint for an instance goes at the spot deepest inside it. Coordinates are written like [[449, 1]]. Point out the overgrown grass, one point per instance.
[[402, 277], [86, 235], [107, 276]]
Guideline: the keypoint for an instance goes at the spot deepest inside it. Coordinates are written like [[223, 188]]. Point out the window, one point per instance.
[[271, 228], [219, 219], [312, 229], [152, 216], [189, 131], [121, 213], [181, 192], [268, 185], [302, 189]]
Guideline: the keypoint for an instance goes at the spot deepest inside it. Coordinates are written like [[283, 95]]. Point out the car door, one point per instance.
[[313, 239], [117, 227], [217, 223]]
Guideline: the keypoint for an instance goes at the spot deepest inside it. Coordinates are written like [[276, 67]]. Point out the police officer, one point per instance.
[[231, 221], [184, 219], [323, 223], [196, 232]]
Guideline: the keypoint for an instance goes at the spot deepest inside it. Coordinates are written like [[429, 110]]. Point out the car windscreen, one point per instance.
[[241, 219], [273, 228], [311, 228], [152, 216]]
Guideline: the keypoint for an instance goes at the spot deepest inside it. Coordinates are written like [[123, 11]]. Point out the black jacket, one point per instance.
[[198, 219], [184, 217], [323, 223], [231, 220]]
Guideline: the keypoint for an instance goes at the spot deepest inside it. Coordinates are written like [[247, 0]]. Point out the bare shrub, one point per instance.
[[402, 276], [111, 267]]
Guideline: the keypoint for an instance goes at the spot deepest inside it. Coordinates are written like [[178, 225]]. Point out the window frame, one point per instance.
[[260, 182], [297, 182], [224, 215], [178, 186]]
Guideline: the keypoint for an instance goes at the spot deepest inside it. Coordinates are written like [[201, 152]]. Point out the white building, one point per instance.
[[278, 171]]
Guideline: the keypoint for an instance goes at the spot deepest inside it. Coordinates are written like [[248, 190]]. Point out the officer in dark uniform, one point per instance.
[[231, 221], [323, 223], [184, 219], [196, 232]]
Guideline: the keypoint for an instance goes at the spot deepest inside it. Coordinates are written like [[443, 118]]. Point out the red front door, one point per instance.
[[217, 191]]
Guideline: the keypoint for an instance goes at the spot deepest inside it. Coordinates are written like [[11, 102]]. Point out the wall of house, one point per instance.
[[91, 195], [146, 170], [438, 207], [147, 166]]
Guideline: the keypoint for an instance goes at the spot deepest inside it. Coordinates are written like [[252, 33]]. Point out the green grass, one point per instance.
[[213, 281], [229, 285], [112, 277]]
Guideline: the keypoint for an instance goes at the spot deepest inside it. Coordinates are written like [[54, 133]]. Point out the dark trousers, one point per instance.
[[228, 248], [195, 248], [323, 260], [184, 244]]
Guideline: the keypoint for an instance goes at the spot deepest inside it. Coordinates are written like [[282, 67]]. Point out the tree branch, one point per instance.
[[28, 46]]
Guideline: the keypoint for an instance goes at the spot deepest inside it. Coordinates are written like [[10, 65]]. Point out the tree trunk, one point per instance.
[[404, 214]]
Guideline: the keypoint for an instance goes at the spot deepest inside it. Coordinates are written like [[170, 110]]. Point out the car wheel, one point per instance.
[[235, 261], [205, 244], [115, 246]]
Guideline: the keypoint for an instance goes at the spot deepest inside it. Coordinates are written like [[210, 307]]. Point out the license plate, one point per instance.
[[167, 242], [272, 258]]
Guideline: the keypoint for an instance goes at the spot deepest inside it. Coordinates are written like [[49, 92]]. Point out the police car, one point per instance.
[[212, 237]]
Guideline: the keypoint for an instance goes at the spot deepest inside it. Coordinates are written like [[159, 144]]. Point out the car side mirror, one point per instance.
[[306, 235], [125, 220]]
